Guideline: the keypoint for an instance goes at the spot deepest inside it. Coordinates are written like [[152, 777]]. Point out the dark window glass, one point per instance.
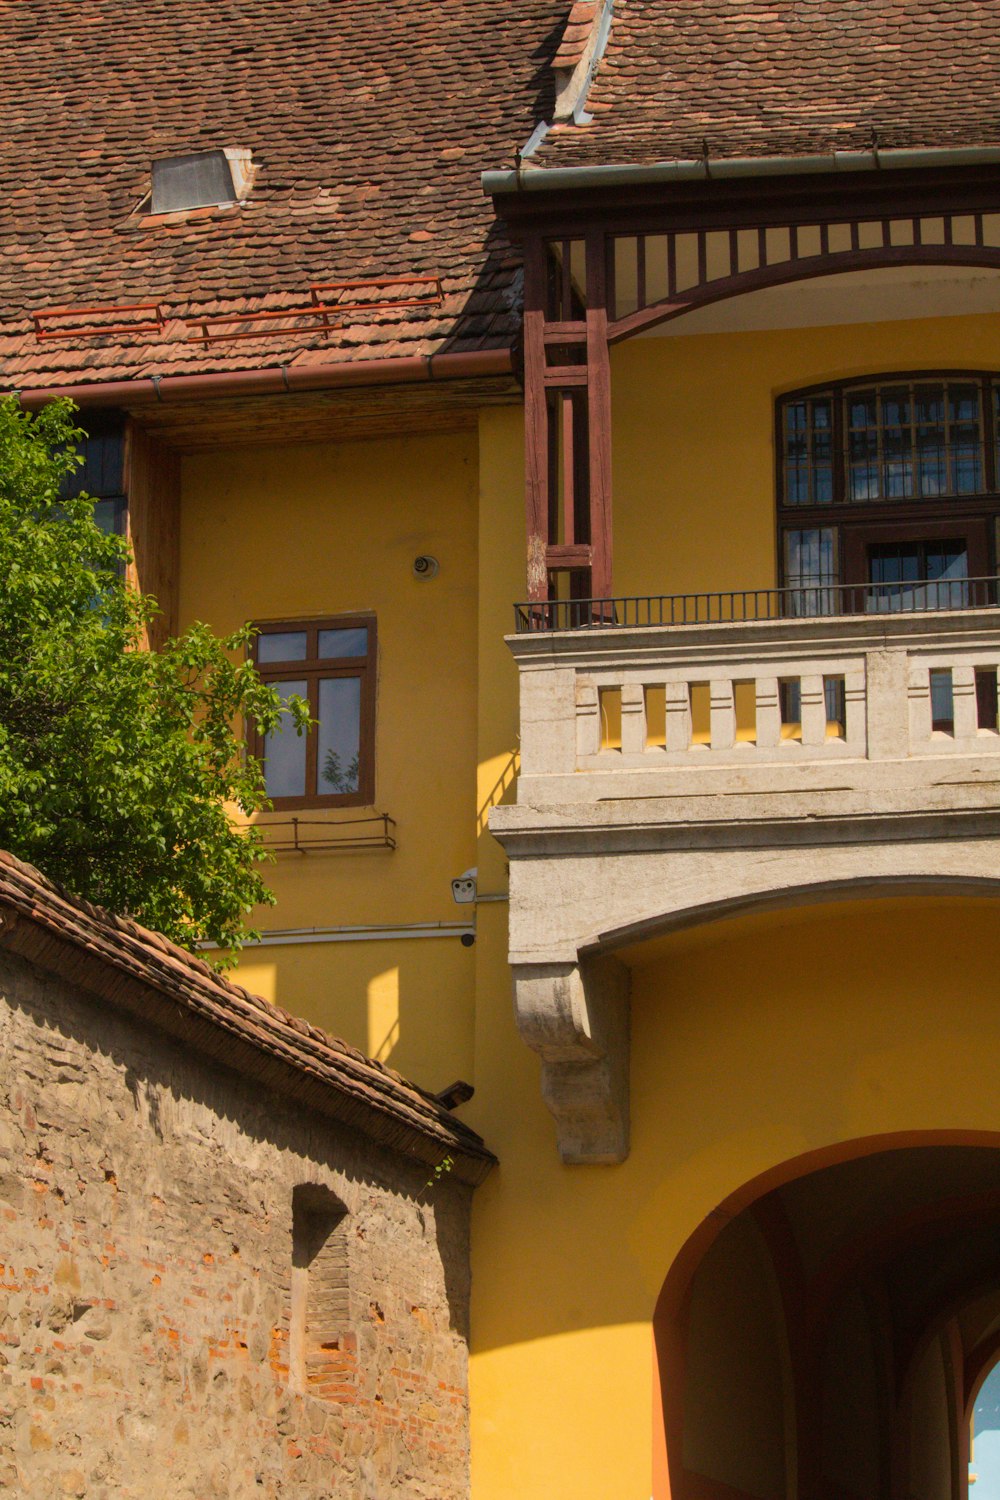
[[912, 440], [809, 451], [918, 574], [331, 664], [810, 570], [102, 473]]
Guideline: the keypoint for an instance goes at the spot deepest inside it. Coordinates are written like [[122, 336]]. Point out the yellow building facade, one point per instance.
[[683, 589], [762, 1045]]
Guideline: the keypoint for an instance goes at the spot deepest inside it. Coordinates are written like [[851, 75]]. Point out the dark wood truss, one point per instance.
[[599, 270]]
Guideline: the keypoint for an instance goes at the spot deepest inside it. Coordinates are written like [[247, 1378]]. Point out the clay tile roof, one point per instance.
[[577, 34], [787, 77], [369, 121], [142, 973]]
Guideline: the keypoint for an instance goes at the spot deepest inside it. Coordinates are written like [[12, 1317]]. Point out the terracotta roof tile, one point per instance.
[[142, 972], [787, 77], [577, 34], [369, 120]]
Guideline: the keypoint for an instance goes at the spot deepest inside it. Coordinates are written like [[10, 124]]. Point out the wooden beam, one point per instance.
[[536, 424], [599, 413], [152, 487]]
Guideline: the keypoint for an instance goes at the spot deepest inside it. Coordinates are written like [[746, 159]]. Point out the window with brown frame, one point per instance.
[[886, 483], [331, 664]]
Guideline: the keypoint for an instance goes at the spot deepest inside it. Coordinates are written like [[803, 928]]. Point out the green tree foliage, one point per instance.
[[119, 767]]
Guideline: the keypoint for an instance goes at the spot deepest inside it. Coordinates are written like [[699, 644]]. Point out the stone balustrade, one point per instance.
[[693, 706], [678, 774]]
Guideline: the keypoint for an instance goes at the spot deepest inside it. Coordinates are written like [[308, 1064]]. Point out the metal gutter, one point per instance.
[[285, 937], [555, 179], [279, 380]]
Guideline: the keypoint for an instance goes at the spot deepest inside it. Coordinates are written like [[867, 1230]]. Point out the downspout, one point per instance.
[[279, 380], [555, 179]]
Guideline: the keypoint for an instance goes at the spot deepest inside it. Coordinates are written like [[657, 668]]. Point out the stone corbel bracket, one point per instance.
[[577, 1018]]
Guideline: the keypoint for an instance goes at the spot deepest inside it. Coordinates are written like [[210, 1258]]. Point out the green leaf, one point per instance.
[[118, 765]]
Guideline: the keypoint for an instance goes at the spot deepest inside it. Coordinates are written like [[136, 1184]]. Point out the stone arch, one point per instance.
[[572, 1002], [795, 893]]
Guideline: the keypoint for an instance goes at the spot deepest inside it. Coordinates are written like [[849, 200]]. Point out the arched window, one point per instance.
[[886, 483]]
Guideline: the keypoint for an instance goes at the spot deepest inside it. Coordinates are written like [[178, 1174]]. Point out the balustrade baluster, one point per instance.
[[723, 714], [813, 700], [963, 690], [588, 719], [678, 716], [919, 699], [855, 712], [633, 718], [768, 714]]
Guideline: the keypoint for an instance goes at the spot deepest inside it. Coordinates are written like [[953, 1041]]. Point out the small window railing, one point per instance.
[[798, 602]]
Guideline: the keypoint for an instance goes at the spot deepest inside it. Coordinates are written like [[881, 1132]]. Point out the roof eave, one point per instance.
[[143, 975], [533, 179]]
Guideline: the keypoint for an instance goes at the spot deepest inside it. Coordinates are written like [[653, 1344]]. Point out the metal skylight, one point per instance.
[[202, 179]]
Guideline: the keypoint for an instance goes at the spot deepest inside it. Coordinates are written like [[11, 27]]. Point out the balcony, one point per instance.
[[740, 694], [686, 758]]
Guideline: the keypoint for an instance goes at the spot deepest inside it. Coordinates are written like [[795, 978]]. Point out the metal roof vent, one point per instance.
[[201, 180]]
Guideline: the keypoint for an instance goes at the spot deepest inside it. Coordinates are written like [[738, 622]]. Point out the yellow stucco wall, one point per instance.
[[318, 529], [753, 1041], [693, 450]]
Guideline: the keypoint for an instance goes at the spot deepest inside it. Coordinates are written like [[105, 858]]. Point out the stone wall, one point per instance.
[[169, 1324]]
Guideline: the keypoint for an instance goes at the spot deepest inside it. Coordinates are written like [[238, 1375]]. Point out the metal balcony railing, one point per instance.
[[795, 603]]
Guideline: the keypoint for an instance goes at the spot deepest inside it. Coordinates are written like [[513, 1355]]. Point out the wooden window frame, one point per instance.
[[858, 521], [973, 530], [313, 670]]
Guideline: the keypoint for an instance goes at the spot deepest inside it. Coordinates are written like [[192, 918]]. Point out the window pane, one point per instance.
[[796, 484], [965, 458], [862, 409], [110, 515], [963, 403], [823, 484], [808, 451], [795, 416], [343, 642], [101, 474], [339, 731], [285, 753], [897, 472], [810, 563], [896, 408], [919, 440], [282, 645], [898, 571], [932, 467]]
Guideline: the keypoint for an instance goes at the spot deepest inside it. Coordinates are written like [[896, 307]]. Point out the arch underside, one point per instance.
[[709, 289], [880, 1332], [572, 998]]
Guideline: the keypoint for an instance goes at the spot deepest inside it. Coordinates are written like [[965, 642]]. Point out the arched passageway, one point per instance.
[[828, 1334]]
